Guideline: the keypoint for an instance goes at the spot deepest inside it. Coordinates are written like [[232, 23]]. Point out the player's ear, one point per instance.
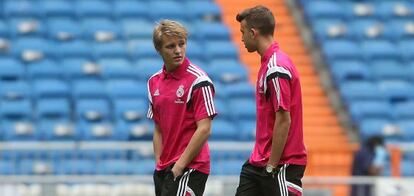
[[253, 32]]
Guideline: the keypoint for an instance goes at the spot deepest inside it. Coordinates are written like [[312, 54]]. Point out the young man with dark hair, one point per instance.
[[182, 107], [278, 160]]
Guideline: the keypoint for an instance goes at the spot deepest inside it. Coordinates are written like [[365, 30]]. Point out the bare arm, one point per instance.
[[157, 142], [194, 146], [280, 134]]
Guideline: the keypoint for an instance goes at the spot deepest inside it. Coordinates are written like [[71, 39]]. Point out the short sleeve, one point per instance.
[[203, 101], [279, 88]]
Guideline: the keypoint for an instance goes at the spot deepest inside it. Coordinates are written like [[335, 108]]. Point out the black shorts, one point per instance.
[[192, 182], [256, 181]]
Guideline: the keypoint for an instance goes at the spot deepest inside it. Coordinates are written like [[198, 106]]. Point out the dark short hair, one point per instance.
[[260, 18], [375, 140]]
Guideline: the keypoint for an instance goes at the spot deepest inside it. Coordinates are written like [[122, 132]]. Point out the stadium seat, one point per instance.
[[222, 108], [137, 29], [22, 130], [21, 27], [79, 167], [134, 130], [240, 90], [146, 167], [16, 109], [341, 50], [404, 110], [59, 130], [360, 10], [11, 69], [13, 90], [7, 167], [93, 8], [63, 29], [227, 71], [399, 30], [379, 50], [21, 8], [130, 109], [4, 29], [114, 49], [131, 9], [93, 110], [50, 88], [212, 31], [322, 9], [372, 127], [389, 70], [396, 90], [247, 112], [367, 29], [142, 49], [223, 130], [206, 11], [101, 30], [32, 49], [406, 49], [228, 167], [331, 29], [343, 71], [362, 110], [360, 90], [117, 68], [146, 67], [406, 127], [74, 49], [194, 51], [407, 169], [34, 167], [126, 89], [45, 69], [76, 68], [53, 109], [58, 8], [394, 9], [88, 88], [247, 129], [116, 167], [162, 9], [220, 50]]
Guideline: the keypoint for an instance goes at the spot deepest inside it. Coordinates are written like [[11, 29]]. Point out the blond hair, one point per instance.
[[169, 28]]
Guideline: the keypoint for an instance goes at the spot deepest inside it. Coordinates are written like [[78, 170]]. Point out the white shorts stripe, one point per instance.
[[294, 186], [282, 181], [181, 184]]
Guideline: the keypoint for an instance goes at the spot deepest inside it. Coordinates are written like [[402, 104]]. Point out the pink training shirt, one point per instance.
[[278, 88], [177, 101]]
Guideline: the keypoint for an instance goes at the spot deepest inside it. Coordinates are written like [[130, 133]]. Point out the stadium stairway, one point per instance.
[[330, 152]]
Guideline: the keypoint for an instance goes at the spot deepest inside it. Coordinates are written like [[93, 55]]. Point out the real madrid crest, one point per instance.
[[180, 91]]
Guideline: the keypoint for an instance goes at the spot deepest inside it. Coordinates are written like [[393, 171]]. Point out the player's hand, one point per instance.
[[177, 171]]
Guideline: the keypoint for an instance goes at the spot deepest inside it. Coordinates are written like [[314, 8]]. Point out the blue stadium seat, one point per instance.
[[362, 110], [222, 108], [349, 71], [74, 49], [67, 167], [227, 71], [13, 8], [131, 9], [93, 110], [146, 67], [75, 68], [247, 112], [130, 110], [126, 89], [45, 69], [102, 154], [20, 27], [23, 48], [220, 91], [203, 10], [13, 90], [341, 50], [212, 31], [53, 109], [360, 90], [93, 8], [7, 167], [407, 169], [50, 88], [194, 50], [360, 10], [397, 90], [247, 129], [399, 30], [162, 9], [371, 127], [115, 49], [16, 109], [137, 29], [11, 69], [142, 49], [389, 70], [134, 130], [117, 68], [19, 130], [406, 49], [58, 8], [34, 167], [330, 29], [404, 110], [228, 167], [240, 90], [103, 130], [146, 167], [379, 50], [63, 29], [394, 9], [223, 130], [88, 88], [59, 130], [366, 29], [4, 29], [116, 167], [220, 50], [94, 28], [406, 128], [322, 9]]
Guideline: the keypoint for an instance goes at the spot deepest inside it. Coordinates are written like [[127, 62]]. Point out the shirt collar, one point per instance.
[[177, 73], [269, 52]]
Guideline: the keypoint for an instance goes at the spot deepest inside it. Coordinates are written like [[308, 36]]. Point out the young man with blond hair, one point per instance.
[[182, 108], [277, 163]]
